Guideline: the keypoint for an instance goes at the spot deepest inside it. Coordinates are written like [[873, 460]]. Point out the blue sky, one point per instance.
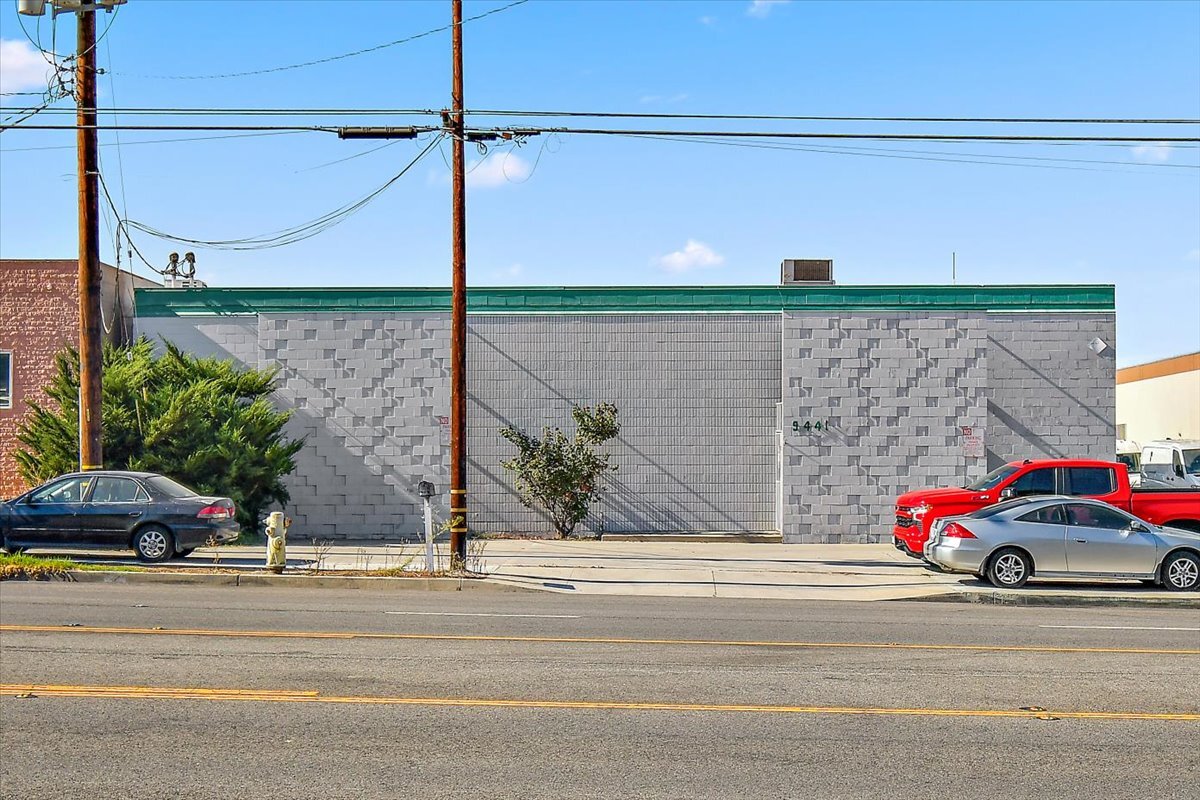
[[578, 210]]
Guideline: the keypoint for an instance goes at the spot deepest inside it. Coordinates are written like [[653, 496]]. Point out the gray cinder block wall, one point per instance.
[[1050, 395], [696, 396], [704, 446]]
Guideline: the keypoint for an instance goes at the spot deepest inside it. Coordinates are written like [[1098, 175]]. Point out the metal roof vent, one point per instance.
[[808, 271]]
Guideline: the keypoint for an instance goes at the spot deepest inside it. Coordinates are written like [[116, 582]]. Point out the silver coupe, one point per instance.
[[1064, 537]]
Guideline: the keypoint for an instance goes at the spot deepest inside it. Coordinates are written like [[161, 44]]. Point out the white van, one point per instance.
[[1130, 454], [1172, 462]]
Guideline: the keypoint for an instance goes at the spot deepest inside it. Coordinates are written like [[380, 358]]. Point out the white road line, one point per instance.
[[474, 614], [1117, 628]]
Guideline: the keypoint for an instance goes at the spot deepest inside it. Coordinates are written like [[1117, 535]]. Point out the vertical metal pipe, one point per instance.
[[458, 325], [90, 342]]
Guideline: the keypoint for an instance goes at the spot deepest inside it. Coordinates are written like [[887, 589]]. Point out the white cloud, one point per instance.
[[762, 8], [709, 21], [22, 68], [1155, 153], [497, 169], [647, 99], [1193, 255], [694, 255]]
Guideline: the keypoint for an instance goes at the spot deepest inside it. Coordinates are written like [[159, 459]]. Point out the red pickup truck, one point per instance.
[[1100, 480]]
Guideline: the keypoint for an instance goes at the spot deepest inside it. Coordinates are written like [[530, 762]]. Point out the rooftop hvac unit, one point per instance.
[[808, 271]]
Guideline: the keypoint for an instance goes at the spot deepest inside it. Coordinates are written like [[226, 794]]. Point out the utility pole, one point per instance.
[[90, 342], [458, 314]]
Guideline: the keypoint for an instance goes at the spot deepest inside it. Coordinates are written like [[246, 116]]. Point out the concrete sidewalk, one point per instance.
[[691, 569]]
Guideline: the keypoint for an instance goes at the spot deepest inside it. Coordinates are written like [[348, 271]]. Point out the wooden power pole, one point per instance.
[[458, 324], [90, 340]]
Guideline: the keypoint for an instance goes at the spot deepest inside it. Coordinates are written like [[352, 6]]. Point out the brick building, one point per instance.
[[39, 316], [803, 409]]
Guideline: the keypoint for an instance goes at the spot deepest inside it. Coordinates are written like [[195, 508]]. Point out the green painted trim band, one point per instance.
[[627, 299]]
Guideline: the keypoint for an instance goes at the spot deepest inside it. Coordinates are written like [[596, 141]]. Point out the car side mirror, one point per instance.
[[1008, 493], [1137, 527]]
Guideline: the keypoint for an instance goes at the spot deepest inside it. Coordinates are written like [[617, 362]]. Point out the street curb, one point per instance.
[[1006, 598], [294, 581]]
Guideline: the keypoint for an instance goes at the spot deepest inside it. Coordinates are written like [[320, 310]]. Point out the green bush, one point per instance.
[[204, 422], [561, 475]]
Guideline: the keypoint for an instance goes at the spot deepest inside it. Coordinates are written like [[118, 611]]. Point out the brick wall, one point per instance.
[[39, 315]]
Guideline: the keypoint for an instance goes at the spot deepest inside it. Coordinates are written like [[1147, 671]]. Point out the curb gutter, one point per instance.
[[1001, 597], [307, 581]]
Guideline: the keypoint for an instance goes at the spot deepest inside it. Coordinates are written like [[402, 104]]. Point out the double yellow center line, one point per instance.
[[33, 690], [452, 637]]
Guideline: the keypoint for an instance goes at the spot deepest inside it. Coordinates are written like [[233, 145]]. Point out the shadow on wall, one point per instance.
[[338, 494], [697, 446]]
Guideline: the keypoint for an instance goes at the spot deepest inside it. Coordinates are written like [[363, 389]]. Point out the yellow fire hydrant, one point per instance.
[[277, 528]]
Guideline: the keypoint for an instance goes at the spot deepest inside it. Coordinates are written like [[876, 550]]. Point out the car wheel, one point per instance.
[[1009, 569], [185, 552], [1181, 572], [154, 543], [12, 549]]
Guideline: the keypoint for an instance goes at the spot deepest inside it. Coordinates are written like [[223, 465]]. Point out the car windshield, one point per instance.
[[169, 487], [1132, 461], [992, 479], [1191, 461]]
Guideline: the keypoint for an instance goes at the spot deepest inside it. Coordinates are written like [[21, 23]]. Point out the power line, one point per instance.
[[925, 155], [156, 141], [295, 233], [125, 127], [529, 131], [808, 135], [796, 118], [328, 59], [300, 111]]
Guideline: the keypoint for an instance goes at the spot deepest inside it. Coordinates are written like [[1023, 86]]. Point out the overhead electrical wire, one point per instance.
[[925, 155], [295, 233], [529, 131], [174, 140], [810, 118], [810, 135], [1003, 157], [213, 111], [329, 59]]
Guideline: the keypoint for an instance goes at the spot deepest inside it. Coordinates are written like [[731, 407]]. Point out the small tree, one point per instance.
[[203, 421], [561, 476]]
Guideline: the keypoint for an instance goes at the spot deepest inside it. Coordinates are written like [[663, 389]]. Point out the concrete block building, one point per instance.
[[798, 409]]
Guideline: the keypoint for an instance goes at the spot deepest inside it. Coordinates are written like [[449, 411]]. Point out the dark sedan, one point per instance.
[[150, 514]]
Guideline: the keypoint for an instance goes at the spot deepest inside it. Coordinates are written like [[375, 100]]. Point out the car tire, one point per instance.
[[185, 552], [1181, 572], [12, 549], [1009, 568], [153, 544]]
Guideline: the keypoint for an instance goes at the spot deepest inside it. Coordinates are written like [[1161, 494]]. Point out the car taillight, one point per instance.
[[215, 512], [956, 531]]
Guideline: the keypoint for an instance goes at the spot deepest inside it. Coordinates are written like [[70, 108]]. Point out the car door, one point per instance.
[[115, 505], [1043, 533], [1035, 482], [49, 515], [1100, 540]]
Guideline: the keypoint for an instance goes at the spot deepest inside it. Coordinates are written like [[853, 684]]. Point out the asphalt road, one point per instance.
[[190, 692]]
